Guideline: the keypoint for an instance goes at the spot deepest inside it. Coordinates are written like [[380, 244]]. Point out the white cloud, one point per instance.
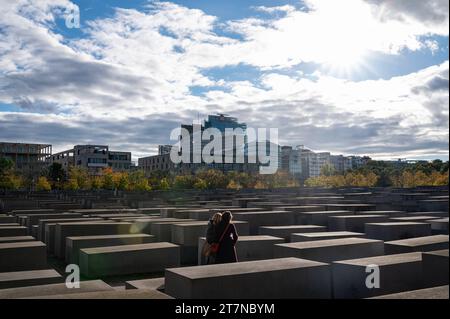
[[143, 64]]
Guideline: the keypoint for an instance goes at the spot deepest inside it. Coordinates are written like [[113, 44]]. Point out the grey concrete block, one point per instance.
[[19, 256], [397, 230], [64, 230], [435, 268], [401, 272], [353, 223], [286, 231], [116, 294], [128, 259], [248, 247], [74, 244], [265, 218], [439, 226], [275, 278], [54, 289], [29, 278], [299, 237], [320, 217], [331, 250], [152, 283], [14, 239], [427, 243], [427, 293], [9, 231]]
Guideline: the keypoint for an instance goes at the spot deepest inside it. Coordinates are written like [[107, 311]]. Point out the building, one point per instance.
[[291, 160], [29, 159], [221, 122], [93, 157], [341, 163], [164, 149], [359, 161]]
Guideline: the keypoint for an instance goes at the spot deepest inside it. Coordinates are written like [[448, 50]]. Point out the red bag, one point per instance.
[[214, 247]]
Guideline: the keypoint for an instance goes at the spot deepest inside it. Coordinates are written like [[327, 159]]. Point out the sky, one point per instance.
[[353, 77]]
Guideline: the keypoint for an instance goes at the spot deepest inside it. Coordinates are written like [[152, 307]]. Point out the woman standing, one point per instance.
[[211, 237], [227, 238]]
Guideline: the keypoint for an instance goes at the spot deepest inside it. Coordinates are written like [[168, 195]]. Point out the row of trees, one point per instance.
[[383, 174], [78, 179], [373, 174]]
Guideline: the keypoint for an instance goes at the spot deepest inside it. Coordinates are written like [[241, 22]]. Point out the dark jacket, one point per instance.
[[227, 252], [211, 233]]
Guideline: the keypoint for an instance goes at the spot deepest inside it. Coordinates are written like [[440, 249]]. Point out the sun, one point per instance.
[[345, 60], [344, 46]]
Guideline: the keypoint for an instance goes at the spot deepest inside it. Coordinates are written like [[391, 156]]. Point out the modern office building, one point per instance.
[[93, 157], [341, 163], [164, 149], [28, 158], [291, 160], [359, 161], [311, 163], [221, 122]]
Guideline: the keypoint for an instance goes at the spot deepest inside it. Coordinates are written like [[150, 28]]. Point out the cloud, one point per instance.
[[128, 81], [431, 16]]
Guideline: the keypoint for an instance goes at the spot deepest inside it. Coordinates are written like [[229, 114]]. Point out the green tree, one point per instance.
[[43, 184], [6, 166], [81, 175], [327, 170], [56, 174], [138, 181]]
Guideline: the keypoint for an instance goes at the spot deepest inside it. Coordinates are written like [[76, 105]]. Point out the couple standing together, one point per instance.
[[221, 238]]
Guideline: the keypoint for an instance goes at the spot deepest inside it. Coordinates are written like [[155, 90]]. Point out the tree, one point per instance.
[[327, 170], [43, 184], [56, 174], [214, 178], [233, 185], [8, 179], [164, 184], [80, 174], [96, 182], [107, 178], [138, 181], [184, 182], [72, 184], [200, 184], [6, 166], [120, 180]]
